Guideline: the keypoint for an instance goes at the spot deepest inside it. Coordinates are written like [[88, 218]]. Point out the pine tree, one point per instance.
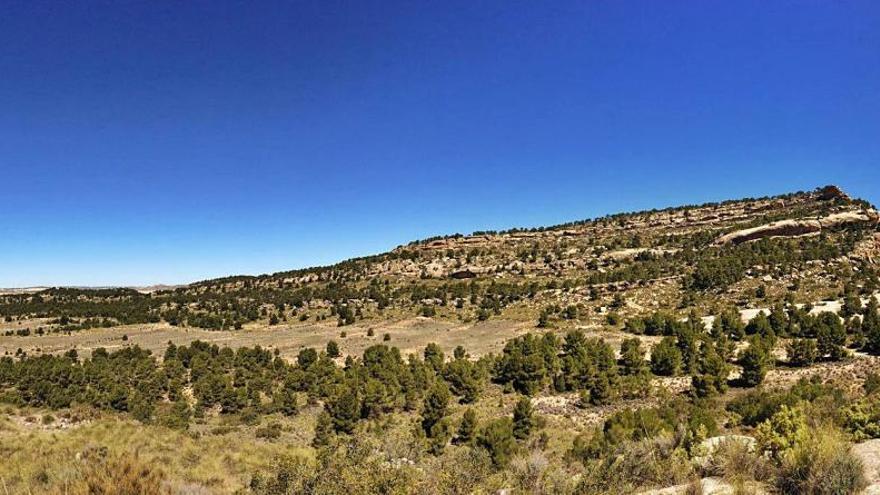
[[522, 419], [632, 357], [871, 327], [468, 427], [802, 352], [755, 360], [306, 357], [284, 400], [459, 353], [688, 346], [602, 391], [666, 358], [498, 440], [732, 324], [434, 356], [760, 326], [435, 406], [323, 431], [178, 416], [332, 349], [852, 305], [830, 337], [778, 320], [712, 371], [345, 410]]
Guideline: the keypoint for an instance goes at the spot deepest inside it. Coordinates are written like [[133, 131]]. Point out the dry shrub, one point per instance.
[[822, 464], [654, 462], [695, 487], [460, 470], [737, 462], [125, 474], [527, 471], [355, 467]]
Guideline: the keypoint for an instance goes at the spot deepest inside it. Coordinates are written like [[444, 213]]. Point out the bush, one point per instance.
[[358, 467], [784, 431], [871, 384], [652, 462], [467, 428], [802, 352], [333, 349], [736, 461], [269, 432], [821, 464], [665, 358], [830, 336], [755, 360], [497, 439], [522, 419], [122, 475]]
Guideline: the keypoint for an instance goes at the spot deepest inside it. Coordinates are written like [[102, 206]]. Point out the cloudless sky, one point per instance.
[[153, 141]]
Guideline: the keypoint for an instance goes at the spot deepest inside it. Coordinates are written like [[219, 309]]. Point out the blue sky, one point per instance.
[[146, 142]]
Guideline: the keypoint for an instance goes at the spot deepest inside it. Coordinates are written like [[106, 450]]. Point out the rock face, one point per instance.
[[787, 228], [830, 192], [869, 453], [792, 228]]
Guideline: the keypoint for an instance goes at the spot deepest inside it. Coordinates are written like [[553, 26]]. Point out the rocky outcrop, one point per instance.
[[792, 228], [782, 228], [830, 192]]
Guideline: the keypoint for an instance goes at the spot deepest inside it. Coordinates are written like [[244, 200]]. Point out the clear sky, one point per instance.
[[149, 141]]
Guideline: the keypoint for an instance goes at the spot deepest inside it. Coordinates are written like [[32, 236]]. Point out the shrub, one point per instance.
[[802, 352], [467, 428], [632, 357], [651, 462], [755, 360], [269, 432], [522, 419], [862, 419], [821, 464], [666, 358], [497, 439], [782, 432], [871, 384], [737, 462], [122, 475], [333, 349]]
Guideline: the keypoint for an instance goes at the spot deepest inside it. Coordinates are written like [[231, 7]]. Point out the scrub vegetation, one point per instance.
[[623, 354]]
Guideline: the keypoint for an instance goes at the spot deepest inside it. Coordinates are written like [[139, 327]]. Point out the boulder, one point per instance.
[[830, 192]]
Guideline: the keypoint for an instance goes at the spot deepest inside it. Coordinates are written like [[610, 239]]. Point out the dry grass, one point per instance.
[[125, 474], [38, 460]]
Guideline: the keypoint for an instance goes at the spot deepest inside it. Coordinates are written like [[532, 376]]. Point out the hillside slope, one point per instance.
[[808, 245]]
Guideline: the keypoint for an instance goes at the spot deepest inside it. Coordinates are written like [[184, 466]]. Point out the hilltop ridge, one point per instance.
[[614, 266]]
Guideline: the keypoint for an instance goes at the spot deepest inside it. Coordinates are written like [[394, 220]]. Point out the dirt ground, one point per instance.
[[410, 335]]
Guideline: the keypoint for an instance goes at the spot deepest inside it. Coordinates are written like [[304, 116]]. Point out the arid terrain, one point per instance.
[[540, 360]]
